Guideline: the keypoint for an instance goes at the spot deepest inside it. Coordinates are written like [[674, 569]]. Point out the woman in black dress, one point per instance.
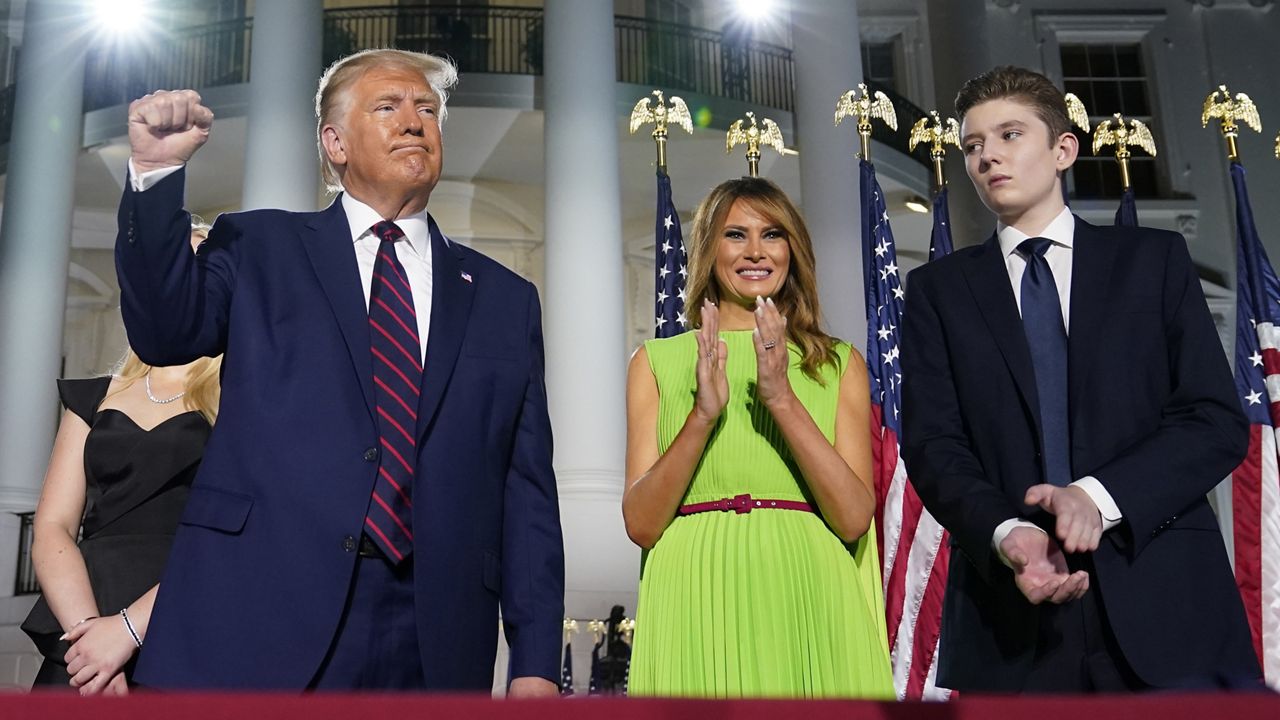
[[122, 465]]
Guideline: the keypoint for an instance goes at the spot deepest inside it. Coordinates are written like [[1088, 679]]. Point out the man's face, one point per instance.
[[1013, 162], [387, 142]]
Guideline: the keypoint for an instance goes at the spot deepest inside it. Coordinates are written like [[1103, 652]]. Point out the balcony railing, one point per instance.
[[679, 57], [482, 39]]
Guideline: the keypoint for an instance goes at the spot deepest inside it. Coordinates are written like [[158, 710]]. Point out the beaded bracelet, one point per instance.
[[124, 613]]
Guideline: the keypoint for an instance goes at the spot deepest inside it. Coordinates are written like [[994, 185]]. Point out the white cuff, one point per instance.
[[1002, 531], [142, 182], [1107, 507]]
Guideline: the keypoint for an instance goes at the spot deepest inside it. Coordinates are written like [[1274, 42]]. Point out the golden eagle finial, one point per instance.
[[1228, 111], [1123, 135], [753, 136], [865, 105], [1076, 111], [661, 114], [937, 132]]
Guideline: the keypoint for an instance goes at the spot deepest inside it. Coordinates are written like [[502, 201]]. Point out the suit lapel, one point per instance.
[[1091, 262], [327, 240], [989, 282], [452, 289]]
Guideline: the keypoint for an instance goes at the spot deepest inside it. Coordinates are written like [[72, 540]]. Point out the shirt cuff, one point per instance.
[[1002, 531], [142, 182], [1107, 507]]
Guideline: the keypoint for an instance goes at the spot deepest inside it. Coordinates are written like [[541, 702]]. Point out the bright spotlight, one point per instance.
[[756, 11], [122, 17]]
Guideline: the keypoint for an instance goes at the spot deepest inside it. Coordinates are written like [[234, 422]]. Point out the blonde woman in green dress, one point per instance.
[[749, 481]]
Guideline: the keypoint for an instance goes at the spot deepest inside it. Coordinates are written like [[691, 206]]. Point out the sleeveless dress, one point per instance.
[[136, 484], [769, 603]]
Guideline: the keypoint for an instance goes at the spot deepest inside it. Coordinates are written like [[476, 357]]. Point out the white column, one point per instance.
[[828, 62], [961, 47], [584, 315], [35, 244], [282, 166]]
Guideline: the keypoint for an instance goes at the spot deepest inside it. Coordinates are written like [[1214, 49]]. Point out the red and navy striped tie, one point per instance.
[[397, 378]]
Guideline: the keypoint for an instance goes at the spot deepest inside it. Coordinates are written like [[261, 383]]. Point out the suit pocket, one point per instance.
[[216, 509], [492, 572]]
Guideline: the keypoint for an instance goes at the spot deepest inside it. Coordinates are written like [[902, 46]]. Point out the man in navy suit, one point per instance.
[[1067, 406], [379, 481]]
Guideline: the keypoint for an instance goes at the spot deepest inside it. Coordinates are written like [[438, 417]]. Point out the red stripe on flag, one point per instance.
[[895, 600], [880, 481], [1246, 514], [1270, 361]]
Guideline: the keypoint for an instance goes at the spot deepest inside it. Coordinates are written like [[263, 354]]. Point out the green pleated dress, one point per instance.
[[764, 604]]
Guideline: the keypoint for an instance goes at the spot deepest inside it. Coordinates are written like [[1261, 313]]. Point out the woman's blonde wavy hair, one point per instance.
[[203, 390], [797, 300]]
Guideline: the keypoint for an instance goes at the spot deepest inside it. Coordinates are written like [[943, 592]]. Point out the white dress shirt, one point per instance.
[[414, 253], [1061, 232]]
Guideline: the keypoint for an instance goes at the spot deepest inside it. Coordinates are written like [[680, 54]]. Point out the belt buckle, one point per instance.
[[740, 504]]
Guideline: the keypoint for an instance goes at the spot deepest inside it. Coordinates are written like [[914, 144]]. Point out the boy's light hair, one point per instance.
[[1028, 87]]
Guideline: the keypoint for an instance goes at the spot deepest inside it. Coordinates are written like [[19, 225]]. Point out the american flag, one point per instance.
[[1127, 213], [669, 265], [566, 671], [1255, 487], [913, 546]]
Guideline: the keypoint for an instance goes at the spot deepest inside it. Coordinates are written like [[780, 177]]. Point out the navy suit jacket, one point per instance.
[[264, 555], [1154, 417]]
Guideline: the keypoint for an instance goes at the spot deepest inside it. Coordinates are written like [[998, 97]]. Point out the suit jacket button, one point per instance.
[[371, 454], [349, 543]]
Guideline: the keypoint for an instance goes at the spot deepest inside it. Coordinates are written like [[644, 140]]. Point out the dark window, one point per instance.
[[1109, 79], [878, 64]]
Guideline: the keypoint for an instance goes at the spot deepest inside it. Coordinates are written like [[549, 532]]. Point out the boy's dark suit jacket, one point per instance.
[[1154, 417]]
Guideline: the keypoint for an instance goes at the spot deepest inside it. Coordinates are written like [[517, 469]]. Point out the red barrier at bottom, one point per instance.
[[239, 706]]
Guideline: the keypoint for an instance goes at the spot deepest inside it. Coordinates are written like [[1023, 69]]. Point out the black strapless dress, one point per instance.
[[137, 482]]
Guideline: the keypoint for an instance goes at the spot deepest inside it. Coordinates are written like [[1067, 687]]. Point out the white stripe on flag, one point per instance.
[[924, 550], [931, 689], [1269, 528], [893, 522], [1268, 336]]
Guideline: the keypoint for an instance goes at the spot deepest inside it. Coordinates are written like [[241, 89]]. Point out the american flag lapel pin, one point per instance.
[[466, 276]]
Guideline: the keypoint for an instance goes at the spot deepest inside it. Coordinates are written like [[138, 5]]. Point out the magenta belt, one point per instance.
[[743, 504]]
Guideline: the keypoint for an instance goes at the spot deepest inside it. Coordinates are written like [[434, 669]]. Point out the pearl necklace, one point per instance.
[[156, 400]]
